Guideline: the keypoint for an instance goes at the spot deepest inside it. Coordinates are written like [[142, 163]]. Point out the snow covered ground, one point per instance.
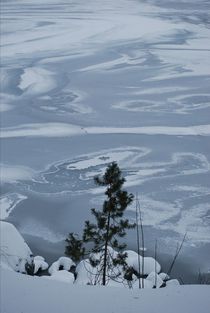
[[58, 292], [87, 82], [44, 295]]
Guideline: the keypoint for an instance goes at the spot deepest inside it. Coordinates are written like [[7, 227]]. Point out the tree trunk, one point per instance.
[[105, 252]]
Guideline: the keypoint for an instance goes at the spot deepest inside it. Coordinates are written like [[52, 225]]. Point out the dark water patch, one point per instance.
[[44, 23]]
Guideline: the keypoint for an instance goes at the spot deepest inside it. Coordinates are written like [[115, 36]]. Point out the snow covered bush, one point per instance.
[[150, 264], [17, 256], [39, 264], [126, 275], [63, 263], [86, 274]]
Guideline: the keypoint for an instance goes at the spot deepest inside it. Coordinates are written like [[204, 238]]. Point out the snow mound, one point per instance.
[[155, 279], [62, 275], [150, 264], [172, 282], [91, 275], [39, 264], [86, 274], [164, 276], [26, 294], [15, 253], [63, 263], [111, 254]]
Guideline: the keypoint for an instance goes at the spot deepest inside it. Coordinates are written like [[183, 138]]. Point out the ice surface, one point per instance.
[[39, 230], [14, 173], [36, 81], [63, 130], [8, 204]]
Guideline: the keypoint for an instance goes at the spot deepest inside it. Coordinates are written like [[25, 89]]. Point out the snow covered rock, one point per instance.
[[149, 263], [63, 263], [39, 264], [15, 253]]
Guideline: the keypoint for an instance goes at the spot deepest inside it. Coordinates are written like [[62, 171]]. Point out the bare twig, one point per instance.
[[138, 241], [155, 286], [142, 239], [176, 255]]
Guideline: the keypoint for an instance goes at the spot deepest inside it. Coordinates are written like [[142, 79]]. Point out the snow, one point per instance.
[[22, 293], [40, 230], [39, 264], [5, 98], [105, 27], [4, 107], [8, 202], [36, 81], [86, 273], [62, 275], [14, 250], [98, 160], [164, 276], [172, 282], [63, 262], [155, 279], [11, 173], [67, 130], [149, 263]]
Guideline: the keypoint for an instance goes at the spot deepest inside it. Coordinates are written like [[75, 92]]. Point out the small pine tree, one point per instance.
[[74, 247], [110, 225]]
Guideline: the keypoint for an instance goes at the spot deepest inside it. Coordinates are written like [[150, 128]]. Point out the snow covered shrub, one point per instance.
[[63, 263], [39, 264], [150, 264]]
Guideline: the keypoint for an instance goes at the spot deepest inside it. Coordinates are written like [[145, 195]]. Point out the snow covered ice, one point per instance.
[[88, 82]]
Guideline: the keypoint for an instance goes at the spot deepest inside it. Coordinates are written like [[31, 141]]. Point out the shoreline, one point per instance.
[[183, 269]]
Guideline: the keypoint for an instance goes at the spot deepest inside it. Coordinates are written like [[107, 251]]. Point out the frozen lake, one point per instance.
[[84, 83]]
